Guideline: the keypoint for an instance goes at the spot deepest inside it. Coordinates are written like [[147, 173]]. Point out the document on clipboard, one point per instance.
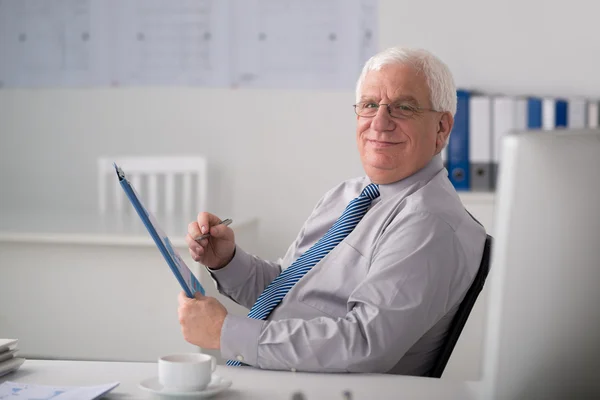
[[184, 275]]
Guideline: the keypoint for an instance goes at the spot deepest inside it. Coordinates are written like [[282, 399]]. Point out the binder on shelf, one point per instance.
[[534, 113], [561, 114], [458, 146], [503, 122], [577, 113], [520, 113], [548, 114], [480, 142], [593, 114]]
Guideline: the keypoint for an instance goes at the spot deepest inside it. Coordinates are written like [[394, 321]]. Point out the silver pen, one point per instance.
[[225, 222]]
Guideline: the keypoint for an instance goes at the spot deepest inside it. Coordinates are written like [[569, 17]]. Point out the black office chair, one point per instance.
[[459, 320]]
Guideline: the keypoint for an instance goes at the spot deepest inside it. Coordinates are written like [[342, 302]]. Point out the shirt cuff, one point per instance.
[[239, 338], [234, 274]]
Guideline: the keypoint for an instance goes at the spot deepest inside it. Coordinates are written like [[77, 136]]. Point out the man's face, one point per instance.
[[393, 148]]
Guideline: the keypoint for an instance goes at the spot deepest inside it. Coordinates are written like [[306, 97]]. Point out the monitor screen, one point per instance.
[[543, 319]]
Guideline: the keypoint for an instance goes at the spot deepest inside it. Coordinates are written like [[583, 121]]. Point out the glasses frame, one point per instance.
[[389, 110]]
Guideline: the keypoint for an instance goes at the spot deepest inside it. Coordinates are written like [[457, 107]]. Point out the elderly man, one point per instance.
[[380, 267]]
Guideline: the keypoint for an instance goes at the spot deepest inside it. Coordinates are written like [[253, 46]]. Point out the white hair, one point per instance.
[[442, 90]]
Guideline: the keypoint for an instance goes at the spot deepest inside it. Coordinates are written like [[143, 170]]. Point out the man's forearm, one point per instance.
[[319, 345], [245, 277]]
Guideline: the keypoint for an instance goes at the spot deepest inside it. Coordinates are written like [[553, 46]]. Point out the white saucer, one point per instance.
[[216, 385]]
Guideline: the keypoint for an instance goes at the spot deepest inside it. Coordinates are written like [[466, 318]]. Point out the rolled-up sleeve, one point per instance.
[[416, 276]]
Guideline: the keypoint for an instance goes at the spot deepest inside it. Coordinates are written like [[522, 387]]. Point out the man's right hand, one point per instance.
[[218, 249]]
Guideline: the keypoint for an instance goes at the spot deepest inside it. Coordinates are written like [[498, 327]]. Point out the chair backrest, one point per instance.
[[462, 314], [159, 181]]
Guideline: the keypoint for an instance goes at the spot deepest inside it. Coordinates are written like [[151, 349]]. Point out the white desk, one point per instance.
[[248, 383], [91, 287]]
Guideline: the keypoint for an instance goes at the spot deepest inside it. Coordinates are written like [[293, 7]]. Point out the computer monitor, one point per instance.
[[543, 327]]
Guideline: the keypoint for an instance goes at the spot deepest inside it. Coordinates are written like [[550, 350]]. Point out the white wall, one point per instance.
[[273, 153], [267, 150], [544, 47]]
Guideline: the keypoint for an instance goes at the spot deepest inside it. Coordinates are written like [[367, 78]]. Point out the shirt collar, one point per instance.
[[422, 176]]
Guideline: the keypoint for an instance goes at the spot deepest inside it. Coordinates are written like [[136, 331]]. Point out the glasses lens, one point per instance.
[[400, 110], [367, 109]]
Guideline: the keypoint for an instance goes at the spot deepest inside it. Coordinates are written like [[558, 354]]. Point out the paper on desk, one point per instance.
[[28, 391]]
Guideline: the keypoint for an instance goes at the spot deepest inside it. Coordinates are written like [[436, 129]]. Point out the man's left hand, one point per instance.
[[201, 320]]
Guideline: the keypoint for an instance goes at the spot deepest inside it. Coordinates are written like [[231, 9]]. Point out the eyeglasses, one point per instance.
[[396, 110]]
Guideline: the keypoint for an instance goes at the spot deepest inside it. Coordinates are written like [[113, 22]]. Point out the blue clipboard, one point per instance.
[[184, 275]]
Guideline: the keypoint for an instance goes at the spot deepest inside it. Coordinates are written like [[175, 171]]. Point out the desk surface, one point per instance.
[[59, 226], [248, 383]]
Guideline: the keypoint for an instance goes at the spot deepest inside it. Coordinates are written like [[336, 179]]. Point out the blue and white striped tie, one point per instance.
[[281, 285]]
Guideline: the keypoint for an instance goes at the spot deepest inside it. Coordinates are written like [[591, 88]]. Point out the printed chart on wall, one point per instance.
[[304, 44]]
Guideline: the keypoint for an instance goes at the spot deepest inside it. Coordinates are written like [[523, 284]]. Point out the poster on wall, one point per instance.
[[304, 44]]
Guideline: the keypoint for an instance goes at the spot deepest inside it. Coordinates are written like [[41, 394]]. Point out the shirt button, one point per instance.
[[293, 369], [240, 358]]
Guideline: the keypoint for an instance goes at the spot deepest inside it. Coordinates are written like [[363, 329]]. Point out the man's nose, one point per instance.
[[382, 121]]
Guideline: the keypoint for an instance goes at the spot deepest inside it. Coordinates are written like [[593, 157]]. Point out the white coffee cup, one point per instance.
[[188, 372]]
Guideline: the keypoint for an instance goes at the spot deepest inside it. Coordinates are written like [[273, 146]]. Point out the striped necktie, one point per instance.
[[281, 285]]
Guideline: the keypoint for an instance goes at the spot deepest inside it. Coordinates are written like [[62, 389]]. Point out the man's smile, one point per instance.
[[381, 143]]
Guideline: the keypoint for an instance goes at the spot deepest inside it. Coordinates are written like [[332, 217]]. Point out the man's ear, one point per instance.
[[445, 125]]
